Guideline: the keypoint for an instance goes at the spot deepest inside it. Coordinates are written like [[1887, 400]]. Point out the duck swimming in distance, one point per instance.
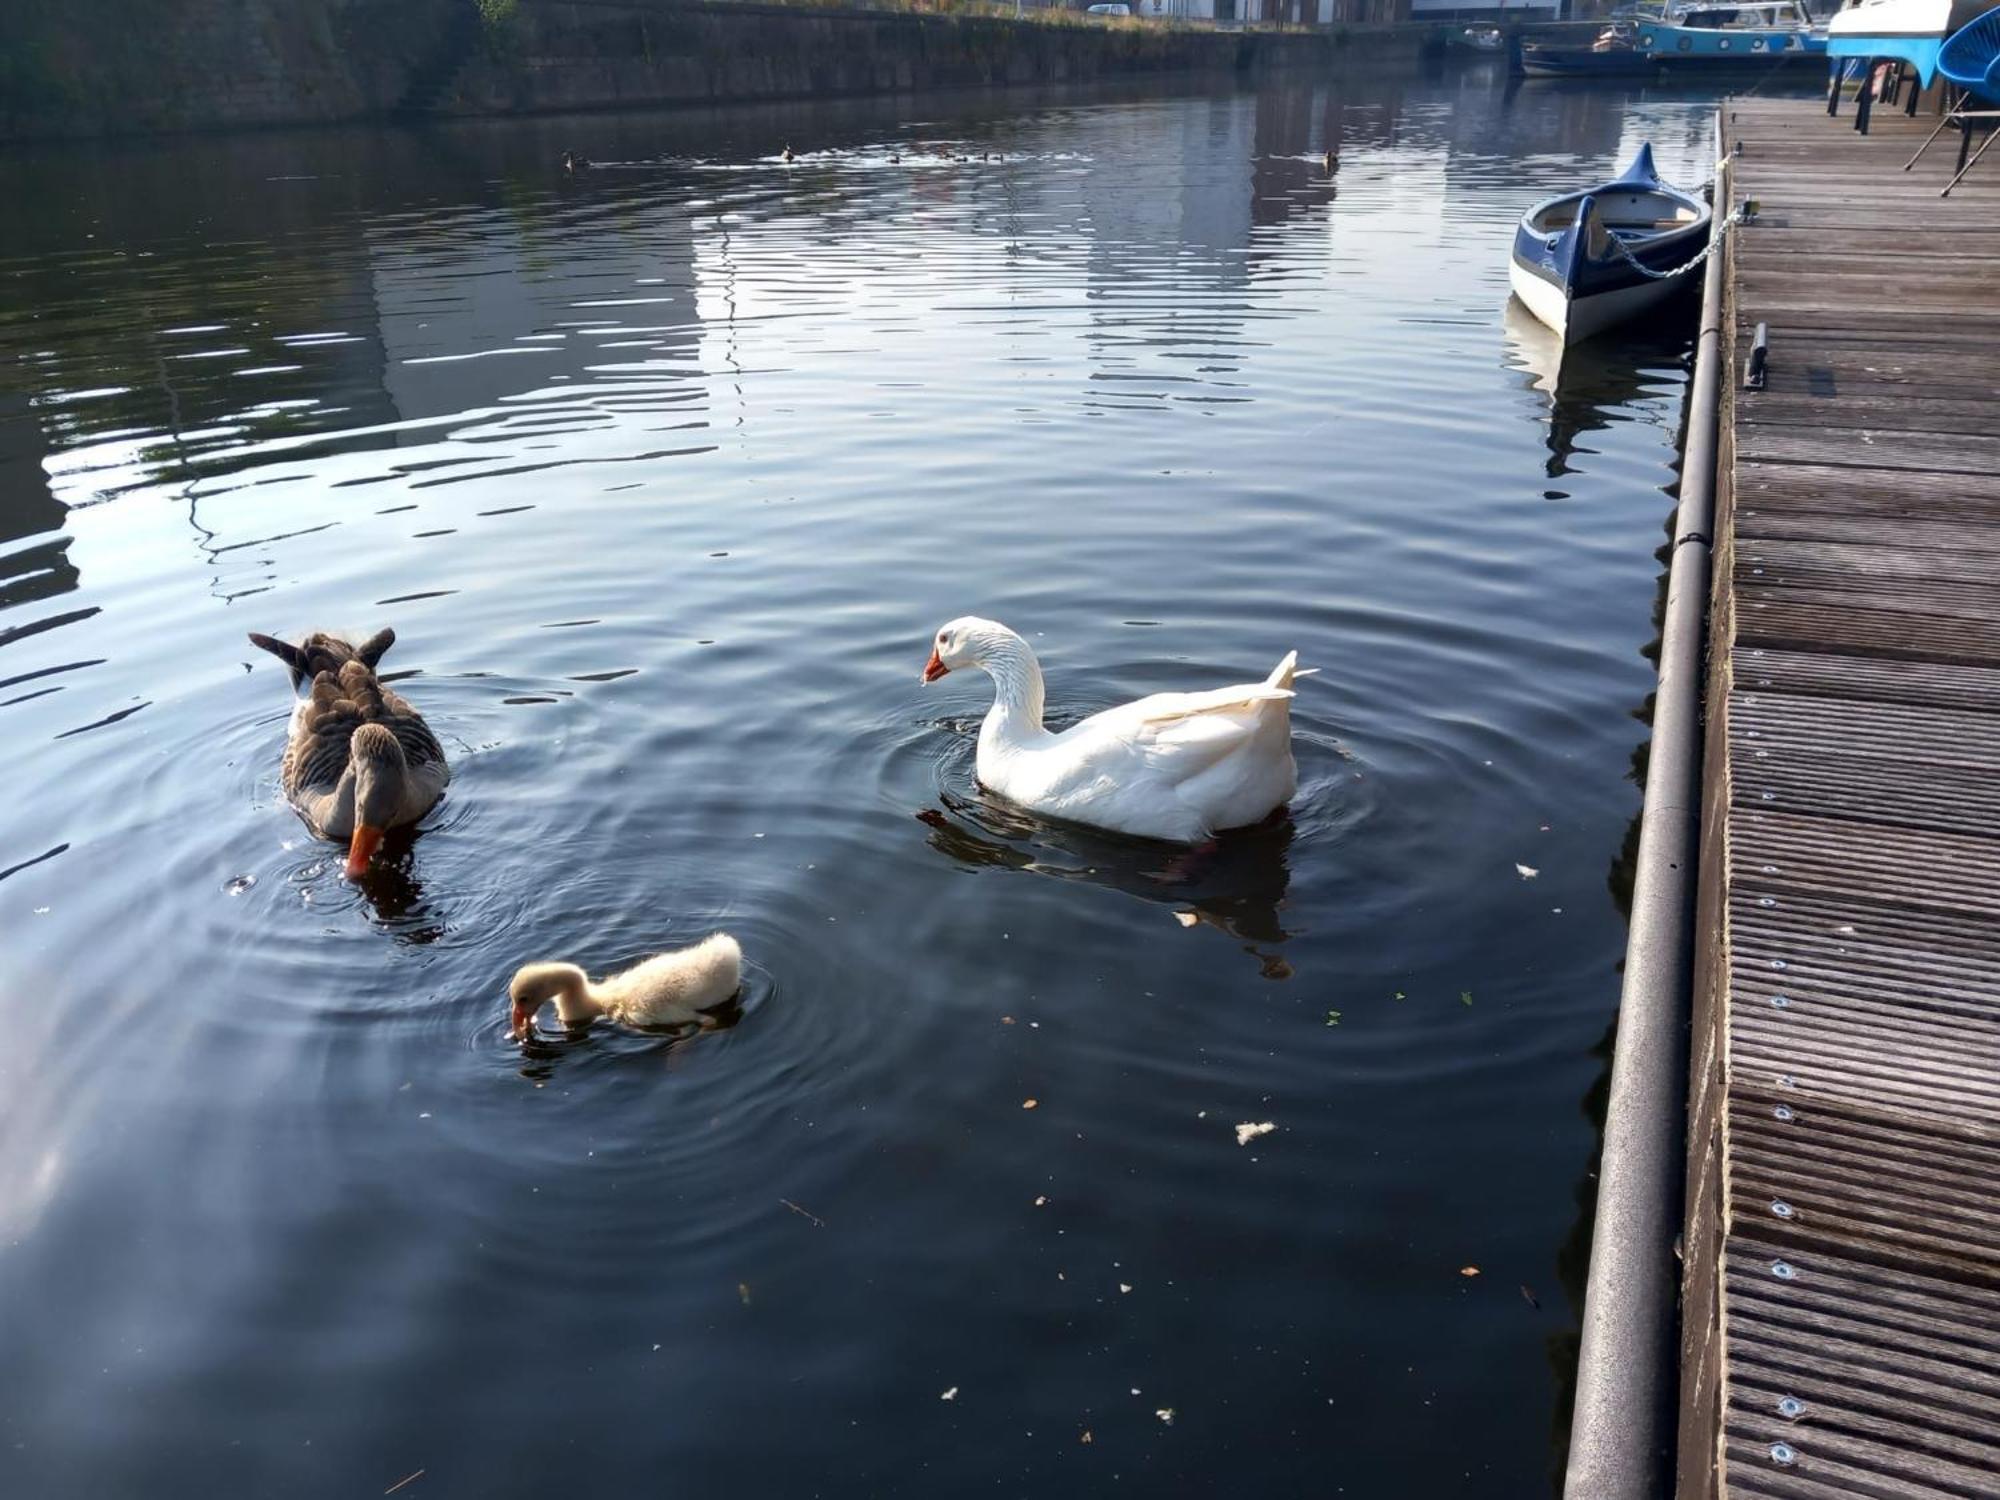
[[360, 761], [1177, 766], [320, 652], [668, 989]]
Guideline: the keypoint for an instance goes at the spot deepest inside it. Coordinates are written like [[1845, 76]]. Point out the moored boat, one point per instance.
[[1586, 261], [1611, 52], [1728, 35]]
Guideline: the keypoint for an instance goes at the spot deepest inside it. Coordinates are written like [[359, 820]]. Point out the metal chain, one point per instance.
[[1735, 217]]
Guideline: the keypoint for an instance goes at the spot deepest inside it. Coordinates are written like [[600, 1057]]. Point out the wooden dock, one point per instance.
[[1841, 1324]]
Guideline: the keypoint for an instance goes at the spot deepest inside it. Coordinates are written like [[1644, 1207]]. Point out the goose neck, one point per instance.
[[1017, 683]]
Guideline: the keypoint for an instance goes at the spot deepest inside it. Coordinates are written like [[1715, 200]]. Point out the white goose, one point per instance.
[[1174, 766]]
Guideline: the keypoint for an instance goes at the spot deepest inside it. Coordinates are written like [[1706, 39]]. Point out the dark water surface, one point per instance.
[[664, 476]]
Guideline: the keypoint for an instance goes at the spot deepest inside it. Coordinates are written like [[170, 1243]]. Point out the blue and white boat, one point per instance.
[[1724, 35], [1586, 261]]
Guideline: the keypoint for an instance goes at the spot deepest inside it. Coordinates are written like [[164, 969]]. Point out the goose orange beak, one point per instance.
[[934, 669], [361, 848], [523, 1023]]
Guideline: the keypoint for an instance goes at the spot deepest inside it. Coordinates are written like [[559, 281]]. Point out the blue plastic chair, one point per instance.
[[1969, 60]]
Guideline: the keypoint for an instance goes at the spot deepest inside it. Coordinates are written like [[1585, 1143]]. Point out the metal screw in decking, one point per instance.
[[1784, 1270], [1781, 1453], [1791, 1406], [1782, 1114], [1781, 1208], [1781, 1001]]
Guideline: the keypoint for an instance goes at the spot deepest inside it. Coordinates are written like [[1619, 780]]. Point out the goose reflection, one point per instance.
[[1236, 883], [394, 894], [543, 1049]]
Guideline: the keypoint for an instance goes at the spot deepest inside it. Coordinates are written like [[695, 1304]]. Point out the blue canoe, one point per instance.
[[1574, 255]]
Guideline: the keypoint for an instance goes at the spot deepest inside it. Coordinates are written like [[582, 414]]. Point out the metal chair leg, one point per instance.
[[1968, 166], [1950, 116]]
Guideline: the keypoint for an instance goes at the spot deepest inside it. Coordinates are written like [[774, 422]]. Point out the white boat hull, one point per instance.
[[1585, 317]]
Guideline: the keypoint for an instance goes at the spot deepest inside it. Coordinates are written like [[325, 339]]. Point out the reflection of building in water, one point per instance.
[[479, 307], [29, 512], [1288, 12]]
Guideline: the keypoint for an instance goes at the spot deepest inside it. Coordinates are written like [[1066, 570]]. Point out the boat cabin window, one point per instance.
[[1759, 17]]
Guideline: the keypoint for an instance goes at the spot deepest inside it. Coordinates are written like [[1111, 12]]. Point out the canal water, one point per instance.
[[664, 474]]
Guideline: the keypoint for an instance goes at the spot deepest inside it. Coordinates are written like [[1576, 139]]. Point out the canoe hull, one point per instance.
[[1577, 319]]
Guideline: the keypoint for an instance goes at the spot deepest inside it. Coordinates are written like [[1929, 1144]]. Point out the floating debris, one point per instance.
[[1040, 1199], [817, 1221], [1125, 1286], [1166, 1415], [1086, 1438], [742, 1291], [950, 1395], [1245, 1134], [1468, 1270], [236, 887], [1029, 1103], [1529, 1297], [1526, 872], [1465, 997], [406, 1479], [1186, 918], [1333, 1018]]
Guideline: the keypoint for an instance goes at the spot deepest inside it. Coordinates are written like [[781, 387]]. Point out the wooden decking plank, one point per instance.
[[1879, 586], [1883, 525], [1860, 627], [1921, 684], [1865, 791], [1932, 453], [1889, 866], [1917, 412], [1971, 499], [1784, 561], [1878, 1379]]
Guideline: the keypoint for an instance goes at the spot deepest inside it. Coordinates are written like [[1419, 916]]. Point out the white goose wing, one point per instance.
[[1180, 735]]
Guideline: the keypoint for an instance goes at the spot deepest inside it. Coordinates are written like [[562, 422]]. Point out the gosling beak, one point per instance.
[[934, 669], [361, 848], [524, 1022]]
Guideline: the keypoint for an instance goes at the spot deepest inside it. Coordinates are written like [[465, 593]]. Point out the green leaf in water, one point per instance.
[[1333, 1018], [1465, 997]]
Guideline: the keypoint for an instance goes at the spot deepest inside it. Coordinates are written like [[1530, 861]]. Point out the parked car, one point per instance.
[[1107, 10]]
